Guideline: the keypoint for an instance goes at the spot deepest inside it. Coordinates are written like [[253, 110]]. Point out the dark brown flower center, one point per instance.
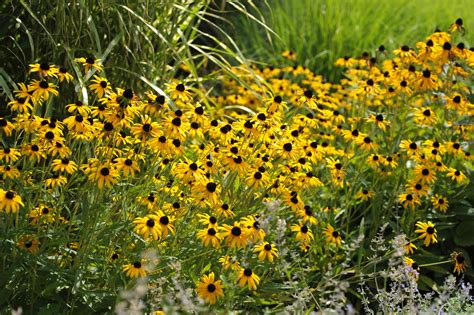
[[236, 231]]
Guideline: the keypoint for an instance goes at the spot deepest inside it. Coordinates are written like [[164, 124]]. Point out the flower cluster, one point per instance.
[[123, 172]]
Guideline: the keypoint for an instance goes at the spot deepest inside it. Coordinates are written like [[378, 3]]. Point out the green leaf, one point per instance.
[[463, 235]]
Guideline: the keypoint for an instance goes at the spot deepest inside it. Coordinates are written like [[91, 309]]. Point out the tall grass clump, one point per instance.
[[141, 43], [320, 31]]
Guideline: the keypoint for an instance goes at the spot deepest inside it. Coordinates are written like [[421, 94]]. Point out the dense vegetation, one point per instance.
[[148, 166]]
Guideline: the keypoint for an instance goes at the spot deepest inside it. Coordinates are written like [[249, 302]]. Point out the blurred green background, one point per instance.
[[320, 31]]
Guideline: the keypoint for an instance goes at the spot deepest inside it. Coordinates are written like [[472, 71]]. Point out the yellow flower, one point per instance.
[[409, 200], [63, 75], [44, 69], [147, 226], [100, 86], [10, 201], [290, 55], [55, 180], [252, 228], [135, 269], [234, 235], [457, 26], [427, 232], [229, 262], [440, 203], [303, 233], [6, 127], [332, 236], [166, 223], [266, 251], [90, 63], [179, 92], [364, 194], [459, 261], [104, 175], [64, 165], [21, 105], [42, 89], [209, 289], [409, 247], [210, 236], [247, 276], [29, 244], [457, 175], [9, 155], [127, 166]]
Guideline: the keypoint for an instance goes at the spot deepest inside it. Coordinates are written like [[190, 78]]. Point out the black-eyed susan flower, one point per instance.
[[90, 63], [346, 62], [56, 180], [166, 223], [427, 232], [252, 228], [127, 166], [41, 89], [10, 201], [8, 171], [29, 244], [207, 220], [6, 127], [135, 269], [179, 92], [456, 175], [78, 108], [209, 191], [246, 276], [332, 236], [266, 251], [225, 210], [427, 80], [417, 188], [459, 262], [409, 200], [410, 147], [209, 288], [379, 120], [425, 116], [289, 54], [64, 165], [100, 86], [440, 203], [234, 235], [409, 247], [275, 104], [44, 69], [41, 214], [22, 105], [148, 226], [210, 237], [307, 215], [457, 26], [104, 175], [406, 53], [306, 97], [64, 75], [364, 194], [303, 232], [9, 154], [24, 92]]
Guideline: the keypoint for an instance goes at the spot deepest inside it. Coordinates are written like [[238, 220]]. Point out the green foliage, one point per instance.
[[142, 43], [320, 31]]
